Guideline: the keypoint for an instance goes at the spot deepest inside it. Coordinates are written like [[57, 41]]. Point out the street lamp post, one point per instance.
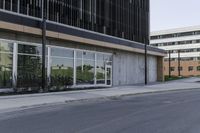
[[44, 46], [146, 79]]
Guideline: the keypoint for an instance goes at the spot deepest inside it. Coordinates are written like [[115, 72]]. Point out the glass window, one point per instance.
[[190, 68], [197, 41], [6, 47], [62, 52], [180, 68], [107, 58], [62, 66], [185, 34], [61, 72], [29, 66], [85, 55], [32, 8], [1, 4], [8, 4], [14, 5], [6, 62], [172, 69], [29, 71], [108, 75], [100, 69], [198, 68], [85, 67], [29, 49], [79, 54], [88, 55], [84, 72]]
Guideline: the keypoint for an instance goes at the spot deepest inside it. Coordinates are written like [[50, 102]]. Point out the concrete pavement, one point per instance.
[[9, 103]]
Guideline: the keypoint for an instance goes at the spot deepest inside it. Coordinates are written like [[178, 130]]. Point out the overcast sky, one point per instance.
[[166, 14]]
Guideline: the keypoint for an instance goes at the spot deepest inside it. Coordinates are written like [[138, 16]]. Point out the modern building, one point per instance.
[[183, 47], [88, 43]]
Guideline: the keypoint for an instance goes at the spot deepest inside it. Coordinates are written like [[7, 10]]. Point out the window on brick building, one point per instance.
[[190, 68], [172, 69], [198, 68]]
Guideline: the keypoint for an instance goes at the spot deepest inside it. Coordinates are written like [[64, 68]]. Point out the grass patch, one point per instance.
[[167, 78]]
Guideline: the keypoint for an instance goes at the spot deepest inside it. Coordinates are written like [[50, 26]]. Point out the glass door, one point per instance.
[[108, 75]]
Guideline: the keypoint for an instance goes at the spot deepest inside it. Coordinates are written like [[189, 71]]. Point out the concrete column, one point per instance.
[[15, 58], [160, 69]]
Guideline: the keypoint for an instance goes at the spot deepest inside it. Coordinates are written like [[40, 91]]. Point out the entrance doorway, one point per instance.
[[108, 75]]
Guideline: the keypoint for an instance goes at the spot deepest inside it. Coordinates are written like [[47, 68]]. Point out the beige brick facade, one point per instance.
[[185, 68]]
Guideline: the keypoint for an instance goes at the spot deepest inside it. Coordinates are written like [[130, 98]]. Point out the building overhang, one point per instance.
[[24, 24]]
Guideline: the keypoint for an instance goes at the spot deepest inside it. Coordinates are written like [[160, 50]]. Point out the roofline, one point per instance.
[[175, 30], [20, 23]]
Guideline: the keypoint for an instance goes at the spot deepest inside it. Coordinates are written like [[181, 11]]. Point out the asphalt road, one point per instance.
[[172, 112]]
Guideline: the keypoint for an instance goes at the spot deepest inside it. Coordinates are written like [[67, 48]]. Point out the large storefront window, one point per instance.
[[21, 67], [29, 66], [85, 68], [62, 68], [6, 61]]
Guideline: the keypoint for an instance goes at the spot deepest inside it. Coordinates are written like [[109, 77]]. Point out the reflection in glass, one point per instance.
[[108, 75], [6, 70], [85, 55], [29, 71], [6, 61], [85, 67], [29, 67], [61, 72], [60, 52], [6, 47], [100, 71], [88, 55], [29, 49], [85, 71]]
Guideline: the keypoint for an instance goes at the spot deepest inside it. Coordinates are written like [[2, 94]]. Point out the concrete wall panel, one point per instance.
[[152, 67], [128, 68]]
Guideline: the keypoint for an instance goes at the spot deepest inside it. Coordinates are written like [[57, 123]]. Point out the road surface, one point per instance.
[[168, 112]]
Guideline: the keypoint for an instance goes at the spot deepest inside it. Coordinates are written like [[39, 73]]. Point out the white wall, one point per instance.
[[129, 68]]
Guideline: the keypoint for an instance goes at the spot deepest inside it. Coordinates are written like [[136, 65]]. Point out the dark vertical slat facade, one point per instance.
[[127, 19]]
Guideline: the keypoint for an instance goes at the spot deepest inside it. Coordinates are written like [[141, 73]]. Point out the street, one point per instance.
[[167, 112]]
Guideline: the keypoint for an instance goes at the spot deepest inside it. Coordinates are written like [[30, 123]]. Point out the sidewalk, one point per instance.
[[9, 103]]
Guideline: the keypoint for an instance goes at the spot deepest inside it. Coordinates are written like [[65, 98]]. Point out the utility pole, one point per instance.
[[145, 48], [169, 64], [179, 64], [146, 79], [44, 46]]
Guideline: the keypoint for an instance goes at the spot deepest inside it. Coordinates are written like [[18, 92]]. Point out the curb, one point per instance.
[[20, 108]]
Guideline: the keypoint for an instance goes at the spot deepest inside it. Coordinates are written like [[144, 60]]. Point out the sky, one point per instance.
[[167, 14]]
